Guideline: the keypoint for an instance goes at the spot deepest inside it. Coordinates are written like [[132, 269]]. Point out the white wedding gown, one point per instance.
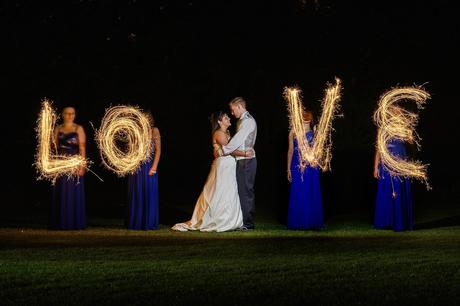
[[218, 207]]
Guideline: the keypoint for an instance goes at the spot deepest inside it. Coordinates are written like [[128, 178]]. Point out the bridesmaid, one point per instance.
[[68, 211], [143, 190], [305, 204], [393, 206]]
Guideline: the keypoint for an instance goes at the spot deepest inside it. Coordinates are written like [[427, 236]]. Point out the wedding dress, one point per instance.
[[218, 207]]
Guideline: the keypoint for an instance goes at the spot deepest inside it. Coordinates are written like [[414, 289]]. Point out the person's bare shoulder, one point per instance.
[[220, 137]]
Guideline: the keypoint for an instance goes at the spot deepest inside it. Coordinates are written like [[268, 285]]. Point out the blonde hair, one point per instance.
[[238, 100]]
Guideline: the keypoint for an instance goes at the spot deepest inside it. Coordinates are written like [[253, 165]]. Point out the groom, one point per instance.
[[246, 167]]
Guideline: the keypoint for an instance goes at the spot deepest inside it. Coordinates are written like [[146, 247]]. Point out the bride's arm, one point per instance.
[[219, 139]]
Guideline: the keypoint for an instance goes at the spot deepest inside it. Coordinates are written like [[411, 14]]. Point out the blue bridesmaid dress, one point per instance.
[[393, 206], [68, 208], [305, 204], [143, 198]]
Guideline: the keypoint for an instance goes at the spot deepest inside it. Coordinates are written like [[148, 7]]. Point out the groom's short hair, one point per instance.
[[238, 100]]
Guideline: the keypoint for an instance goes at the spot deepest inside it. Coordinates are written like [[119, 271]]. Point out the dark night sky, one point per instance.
[[186, 59]]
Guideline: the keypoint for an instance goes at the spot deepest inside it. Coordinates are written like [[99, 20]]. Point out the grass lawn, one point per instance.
[[347, 263]]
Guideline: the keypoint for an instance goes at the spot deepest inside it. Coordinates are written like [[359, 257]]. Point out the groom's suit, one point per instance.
[[246, 167]]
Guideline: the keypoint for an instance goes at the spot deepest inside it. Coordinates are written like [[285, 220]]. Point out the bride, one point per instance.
[[218, 207]]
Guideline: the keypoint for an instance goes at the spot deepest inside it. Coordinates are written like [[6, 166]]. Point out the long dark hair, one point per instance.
[[215, 118]]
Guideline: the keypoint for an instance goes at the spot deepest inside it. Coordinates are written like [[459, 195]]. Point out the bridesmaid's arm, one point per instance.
[[289, 155], [81, 146], [156, 158], [376, 163]]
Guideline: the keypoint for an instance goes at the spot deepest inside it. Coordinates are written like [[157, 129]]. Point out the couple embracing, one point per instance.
[[227, 200]]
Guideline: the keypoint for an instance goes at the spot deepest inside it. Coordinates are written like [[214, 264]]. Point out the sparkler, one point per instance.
[[50, 164], [130, 126], [318, 154], [394, 122]]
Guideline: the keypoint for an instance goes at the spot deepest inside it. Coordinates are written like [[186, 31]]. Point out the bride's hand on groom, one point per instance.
[[217, 153]]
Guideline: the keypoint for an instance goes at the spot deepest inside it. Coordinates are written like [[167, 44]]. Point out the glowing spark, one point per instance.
[[319, 154], [296, 109], [50, 164], [394, 122], [130, 126], [323, 139]]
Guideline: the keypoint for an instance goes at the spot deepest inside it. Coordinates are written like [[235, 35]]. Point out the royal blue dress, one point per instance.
[[305, 204], [68, 208], [393, 206], [143, 198]]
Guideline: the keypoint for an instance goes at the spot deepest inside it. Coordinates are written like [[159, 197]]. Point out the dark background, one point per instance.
[[186, 59]]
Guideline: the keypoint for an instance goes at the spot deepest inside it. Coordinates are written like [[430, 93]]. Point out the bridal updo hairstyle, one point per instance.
[[215, 118]]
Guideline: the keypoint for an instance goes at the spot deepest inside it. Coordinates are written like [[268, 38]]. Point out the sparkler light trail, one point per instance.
[[49, 163], [394, 122], [131, 127], [318, 154]]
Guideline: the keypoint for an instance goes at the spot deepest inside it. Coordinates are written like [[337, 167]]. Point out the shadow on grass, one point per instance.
[[272, 239], [444, 222]]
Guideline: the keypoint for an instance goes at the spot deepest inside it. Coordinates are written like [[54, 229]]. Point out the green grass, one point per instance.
[[348, 263]]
